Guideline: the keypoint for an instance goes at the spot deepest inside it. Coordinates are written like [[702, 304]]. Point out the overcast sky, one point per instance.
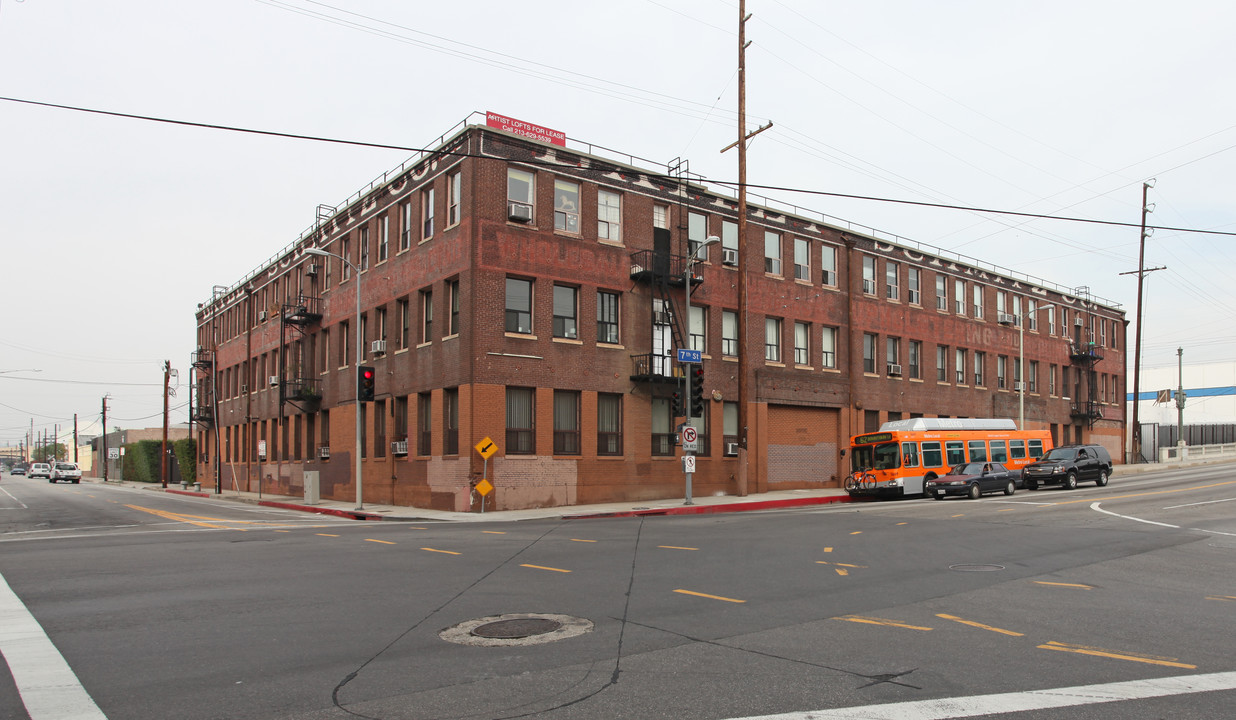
[[113, 230]]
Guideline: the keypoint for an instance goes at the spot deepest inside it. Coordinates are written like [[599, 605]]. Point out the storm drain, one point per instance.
[[976, 568], [516, 629]]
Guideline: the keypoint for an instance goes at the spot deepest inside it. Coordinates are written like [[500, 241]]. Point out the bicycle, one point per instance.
[[859, 480]]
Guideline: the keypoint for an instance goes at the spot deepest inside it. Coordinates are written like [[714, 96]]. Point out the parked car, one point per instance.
[[65, 471], [1068, 465], [19, 470], [972, 480], [38, 470]]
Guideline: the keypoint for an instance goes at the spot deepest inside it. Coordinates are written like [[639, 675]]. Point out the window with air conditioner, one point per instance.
[[377, 347], [520, 191], [729, 257]]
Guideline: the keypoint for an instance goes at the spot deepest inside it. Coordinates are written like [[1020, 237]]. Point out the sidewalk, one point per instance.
[[672, 506]]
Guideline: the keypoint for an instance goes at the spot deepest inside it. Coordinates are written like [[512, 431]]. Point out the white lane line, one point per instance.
[[1095, 506], [46, 683], [19, 502], [1031, 700], [1207, 502]]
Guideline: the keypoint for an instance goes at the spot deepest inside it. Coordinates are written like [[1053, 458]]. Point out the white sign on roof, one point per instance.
[[950, 424]]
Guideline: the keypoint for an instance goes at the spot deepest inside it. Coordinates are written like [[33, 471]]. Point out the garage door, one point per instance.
[[802, 447]]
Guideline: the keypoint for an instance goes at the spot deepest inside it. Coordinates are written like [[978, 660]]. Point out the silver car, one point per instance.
[[38, 470], [65, 471]]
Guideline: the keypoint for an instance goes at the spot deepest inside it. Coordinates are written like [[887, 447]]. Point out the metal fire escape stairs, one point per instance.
[[1084, 354], [664, 272], [297, 384]]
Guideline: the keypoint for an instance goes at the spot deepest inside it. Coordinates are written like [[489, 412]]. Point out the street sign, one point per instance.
[[690, 439], [484, 487], [113, 453], [690, 356], [688, 463], [486, 448]]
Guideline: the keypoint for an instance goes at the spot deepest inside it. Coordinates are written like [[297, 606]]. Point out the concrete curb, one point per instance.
[[709, 509]]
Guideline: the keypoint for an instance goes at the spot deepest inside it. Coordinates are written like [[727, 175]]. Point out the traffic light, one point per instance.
[[676, 405], [695, 378], [365, 378]]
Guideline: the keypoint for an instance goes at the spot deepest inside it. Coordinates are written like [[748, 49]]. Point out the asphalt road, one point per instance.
[[168, 606]]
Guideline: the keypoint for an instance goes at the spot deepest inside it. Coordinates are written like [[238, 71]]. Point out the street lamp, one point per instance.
[[360, 503], [1021, 365], [710, 240]]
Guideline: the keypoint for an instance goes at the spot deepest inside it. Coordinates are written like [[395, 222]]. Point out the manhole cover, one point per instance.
[[517, 628], [976, 568]]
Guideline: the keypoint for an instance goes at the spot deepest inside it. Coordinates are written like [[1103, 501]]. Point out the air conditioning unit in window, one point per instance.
[[894, 369], [519, 212], [1016, 386], [1006, 319], [1077, 322], [399, 447], [261, 316], [731, 449], [324, 453], [244, 389], [311, 269], [274, 381], [377, 347], [869, 287], [662, 317], [729, 256]]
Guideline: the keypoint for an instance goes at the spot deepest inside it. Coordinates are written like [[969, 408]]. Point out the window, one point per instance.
[[363, 245], [729, 238], [345, 343], [607, 317], [828, 265], [980, 361], [520, 430], [565, 303], [384, 237], [379, 428], [869, 353], [941, 292], [828, 347], [892, 286], [978, 301], [954, 452], [450, 421], [1016, 309], [959, 297], [405, 226], [1002, 303], [1115, 334], [932, 456], [909, 454], [520, 193], [566, 206], [424, 420], [961, 366], [772, 339], [729, 427], [978, 450], [697, 326], [869, 275], [452, 297], [405, 323], [772, 253], [892, 352], [346, 251], [914, 281], [1032, 315], [426, 213], [729, 333], [566, 422], [916, 359], [401, 420], [609, 424], [379, 316], [1017, 449], [1001, 377], [660, 216], [454, 189], [802, 343], [662, 427], [609, 215], [802, 259], [1051, 380], [1033, 376], [427, 315], [1016, 375], [518, 305], [697, 232]]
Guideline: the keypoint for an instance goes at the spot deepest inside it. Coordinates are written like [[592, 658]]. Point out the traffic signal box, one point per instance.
[[677, 406], [365, 380], [695, 378]]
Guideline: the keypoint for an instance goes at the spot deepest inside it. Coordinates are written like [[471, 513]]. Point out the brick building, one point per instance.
[[534, 294]]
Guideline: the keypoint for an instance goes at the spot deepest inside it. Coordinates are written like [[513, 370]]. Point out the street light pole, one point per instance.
[[360, 503], [686, 396]]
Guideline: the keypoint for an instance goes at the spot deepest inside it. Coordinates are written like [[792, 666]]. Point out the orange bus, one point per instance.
[[900, 458]]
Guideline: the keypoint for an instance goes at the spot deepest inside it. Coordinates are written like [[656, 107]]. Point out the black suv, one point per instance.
[[1068, 465]]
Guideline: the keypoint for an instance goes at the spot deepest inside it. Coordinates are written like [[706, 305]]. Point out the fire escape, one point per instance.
[[297, 384], [1084, 354], [201, 410], [661, 270]]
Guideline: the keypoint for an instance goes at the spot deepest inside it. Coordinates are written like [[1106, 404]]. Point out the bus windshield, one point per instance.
[[884, 456]]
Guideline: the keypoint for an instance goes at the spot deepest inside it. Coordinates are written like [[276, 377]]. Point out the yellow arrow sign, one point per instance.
[[486, 448]]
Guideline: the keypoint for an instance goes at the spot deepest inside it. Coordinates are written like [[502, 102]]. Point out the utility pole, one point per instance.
[[1180, 397], [1137, 351], [167, 375], [75, 438], [744, 390], [104, 438]]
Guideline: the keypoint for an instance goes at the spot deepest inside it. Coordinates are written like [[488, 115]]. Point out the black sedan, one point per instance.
[[972, 480]]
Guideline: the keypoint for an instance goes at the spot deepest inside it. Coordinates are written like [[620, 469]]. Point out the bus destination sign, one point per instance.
[[873, 438]]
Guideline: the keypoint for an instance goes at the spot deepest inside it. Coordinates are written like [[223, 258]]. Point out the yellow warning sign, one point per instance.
[[486, 448], [484, 487]]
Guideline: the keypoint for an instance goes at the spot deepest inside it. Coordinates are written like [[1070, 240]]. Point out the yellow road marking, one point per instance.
[[283, 531], [841, 571], [1071, 585], [821, 562], [1006, 510], [185, 519], [710, 597], [444, 552], [675, 547], [384, 542], [828, 549], [417, 528], [880, 621], [971, 623], [961, 515], [1221, 597], [326, 535], [1147, 494], [1099, 652], [903, 523], [857, 532], [542, 567], [493, 532], [578, 540]]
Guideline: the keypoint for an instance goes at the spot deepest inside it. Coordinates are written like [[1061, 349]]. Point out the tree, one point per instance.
[[50, 453]]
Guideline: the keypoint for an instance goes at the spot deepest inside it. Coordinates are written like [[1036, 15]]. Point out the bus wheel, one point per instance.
[[975, 493]]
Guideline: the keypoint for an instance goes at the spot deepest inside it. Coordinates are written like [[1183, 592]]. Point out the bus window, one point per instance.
[[998, 453], [909, 454], [886, 456], [1036, 448], [932, 457], [978, 451], [955, 451], [1017, 448]]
